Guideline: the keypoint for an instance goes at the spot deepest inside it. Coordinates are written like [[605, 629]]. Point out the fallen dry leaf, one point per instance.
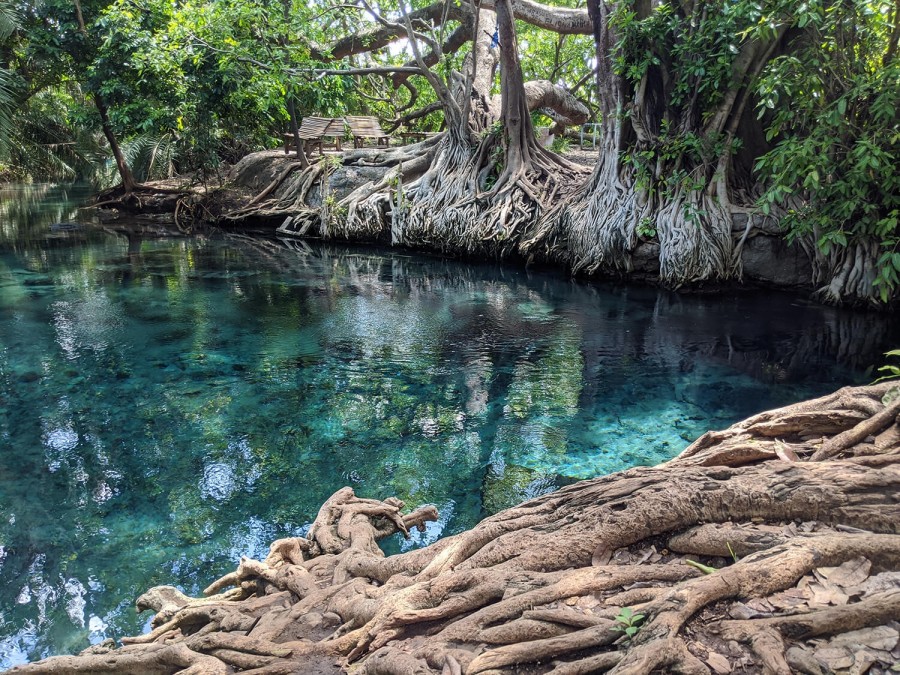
[[791, 530], [622, 557], [785, 454], [877, 637], [834, 658], [718, 663], [802, 660], [645, 554], [851, 573], [863, 660], [601, 556], [827, 595], [760, 605], [789, 599], [741, 611], [878, 583]]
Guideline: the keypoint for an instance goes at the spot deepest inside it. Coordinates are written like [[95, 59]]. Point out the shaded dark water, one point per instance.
[[169, 404]]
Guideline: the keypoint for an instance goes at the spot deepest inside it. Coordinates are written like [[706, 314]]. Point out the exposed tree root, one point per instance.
[[798, 564], [849, 274], [476, 189], [599, 228]]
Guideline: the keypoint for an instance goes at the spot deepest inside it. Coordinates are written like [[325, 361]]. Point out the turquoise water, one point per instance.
[[168, 404]]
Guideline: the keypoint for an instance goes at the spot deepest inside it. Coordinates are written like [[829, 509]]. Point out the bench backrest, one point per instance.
[[316, 127], [365, 127]]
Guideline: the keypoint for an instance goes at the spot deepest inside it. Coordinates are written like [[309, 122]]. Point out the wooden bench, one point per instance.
[[362, 128], [314, 130]]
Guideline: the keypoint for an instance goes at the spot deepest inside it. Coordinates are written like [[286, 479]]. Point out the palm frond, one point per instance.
[[44, 145], [10, 18], [7, 110], [151, 157]]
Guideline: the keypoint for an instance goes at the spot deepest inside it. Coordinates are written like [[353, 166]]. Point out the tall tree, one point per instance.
[[678, 84], [128, 182]]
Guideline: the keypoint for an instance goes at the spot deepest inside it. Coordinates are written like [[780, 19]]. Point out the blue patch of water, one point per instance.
[[170, 404]]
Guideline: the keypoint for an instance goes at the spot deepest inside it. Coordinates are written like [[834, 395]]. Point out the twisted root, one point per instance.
[[744, 539]]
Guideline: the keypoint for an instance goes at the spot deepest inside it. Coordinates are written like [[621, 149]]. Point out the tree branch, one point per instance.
[[557, 19], [451, 45], [377, 38], [414, 115]]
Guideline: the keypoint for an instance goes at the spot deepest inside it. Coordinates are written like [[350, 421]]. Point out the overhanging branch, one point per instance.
[[560, 20], [556, 19]]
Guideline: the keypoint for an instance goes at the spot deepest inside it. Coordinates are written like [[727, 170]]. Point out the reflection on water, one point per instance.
[[41, 213], [168, 405]]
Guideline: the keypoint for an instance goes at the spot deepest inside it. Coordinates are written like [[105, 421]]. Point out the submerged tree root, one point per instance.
[[744, 554]]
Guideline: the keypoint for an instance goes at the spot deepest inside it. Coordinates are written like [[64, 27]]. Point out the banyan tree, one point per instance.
[[685, 128]]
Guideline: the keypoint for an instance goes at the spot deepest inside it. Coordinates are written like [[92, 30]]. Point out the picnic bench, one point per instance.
[[362, 128], [314, 130]]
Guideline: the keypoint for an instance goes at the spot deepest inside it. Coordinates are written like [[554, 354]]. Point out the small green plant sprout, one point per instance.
[[332, 162], [731, 551], [706, 569], [628, 622]]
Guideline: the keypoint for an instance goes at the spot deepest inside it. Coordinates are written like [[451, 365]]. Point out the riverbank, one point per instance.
[[772, 546], [270, 191]]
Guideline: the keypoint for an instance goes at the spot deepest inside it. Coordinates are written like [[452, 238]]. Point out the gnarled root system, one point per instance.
[[771, 547]]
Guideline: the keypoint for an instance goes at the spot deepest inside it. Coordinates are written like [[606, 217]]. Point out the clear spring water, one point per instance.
[[169, 404]]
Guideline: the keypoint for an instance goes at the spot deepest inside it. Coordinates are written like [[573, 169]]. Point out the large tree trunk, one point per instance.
[[642, 188], [485, 185], [734, 555]]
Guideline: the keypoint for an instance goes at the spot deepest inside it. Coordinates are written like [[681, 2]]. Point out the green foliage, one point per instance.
[[891, 371], [187, 85], [698, 48], [827, 96], [646, 228], [152, 157], [628, 622], [831, 108], [706, 569], [560, 145], [734, 556], [680, 63], [684, 152], [9, 23], [49, 142], [558, 58]]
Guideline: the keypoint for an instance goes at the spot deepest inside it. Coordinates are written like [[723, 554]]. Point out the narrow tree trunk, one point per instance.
[[128, 182], [514, 111], [295, 130]]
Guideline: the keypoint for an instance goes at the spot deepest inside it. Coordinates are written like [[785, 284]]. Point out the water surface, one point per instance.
[[168, 404]]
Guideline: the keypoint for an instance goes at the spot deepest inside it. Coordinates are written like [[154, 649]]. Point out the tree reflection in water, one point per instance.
[[167, 405]]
